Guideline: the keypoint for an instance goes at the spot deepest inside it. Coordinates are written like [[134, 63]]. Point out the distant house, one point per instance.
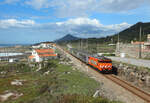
[[36, 46], [11, 60], [138, 43], [39, 55], [47, 45], [111, 44], [44, 45], [147, 44]]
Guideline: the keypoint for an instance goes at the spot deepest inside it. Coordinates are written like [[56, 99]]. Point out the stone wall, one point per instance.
[[131, 50], [138, 76]]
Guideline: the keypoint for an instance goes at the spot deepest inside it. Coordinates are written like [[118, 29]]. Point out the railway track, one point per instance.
[[136, 91]]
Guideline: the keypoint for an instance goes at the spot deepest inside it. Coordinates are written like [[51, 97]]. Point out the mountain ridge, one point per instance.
[[67, 38], [125, 36], [132, 33]]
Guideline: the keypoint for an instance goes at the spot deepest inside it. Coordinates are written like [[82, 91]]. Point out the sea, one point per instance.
[[10, 54], [11, 45]]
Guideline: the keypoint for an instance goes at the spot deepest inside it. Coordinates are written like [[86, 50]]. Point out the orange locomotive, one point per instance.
[[101, 63]]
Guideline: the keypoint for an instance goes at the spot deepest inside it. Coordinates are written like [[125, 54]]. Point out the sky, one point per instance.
[[33, 21]]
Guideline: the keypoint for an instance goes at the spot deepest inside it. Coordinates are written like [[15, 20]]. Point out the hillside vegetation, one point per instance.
[[95, 45], [132, 33], [126, 36], [55, 82]]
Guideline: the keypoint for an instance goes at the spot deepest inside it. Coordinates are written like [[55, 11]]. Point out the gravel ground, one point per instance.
[[137, 62]]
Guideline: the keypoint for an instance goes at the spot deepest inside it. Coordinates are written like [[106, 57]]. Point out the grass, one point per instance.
[[82, 99], [77, 82], [62, 83]]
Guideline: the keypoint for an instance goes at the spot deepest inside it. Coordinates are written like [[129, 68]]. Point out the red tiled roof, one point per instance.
[[138, 42], [44, 50], [47, 55], [30, 57]]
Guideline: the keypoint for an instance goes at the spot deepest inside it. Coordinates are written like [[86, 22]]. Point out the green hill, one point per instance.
[[101, 44], [126, 36], [129, 34], [132, 33]]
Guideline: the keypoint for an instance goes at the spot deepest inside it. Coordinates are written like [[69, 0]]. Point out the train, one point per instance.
[[100, 63]]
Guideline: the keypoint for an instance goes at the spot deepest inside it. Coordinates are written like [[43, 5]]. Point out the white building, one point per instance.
[[36, 46], [38, 55], [44, 45]]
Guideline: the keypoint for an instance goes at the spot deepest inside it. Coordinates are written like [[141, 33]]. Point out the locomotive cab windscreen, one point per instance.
[[104, 61]]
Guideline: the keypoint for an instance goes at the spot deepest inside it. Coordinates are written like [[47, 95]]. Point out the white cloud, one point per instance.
[[81, 21], [38, 4], [91, 27], [118, 5], [118, 27], [76, 8], [83, 8], [9, 1], [93, 22], [16, 23], [76, 26]]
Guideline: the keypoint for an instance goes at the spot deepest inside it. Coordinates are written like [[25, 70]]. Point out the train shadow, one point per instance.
[[115, 70]]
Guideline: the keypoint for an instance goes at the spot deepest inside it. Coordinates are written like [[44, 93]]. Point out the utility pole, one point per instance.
[[80, 44], [87, 45], [96, 46], [118, 43], [112, 40], [140, 49]]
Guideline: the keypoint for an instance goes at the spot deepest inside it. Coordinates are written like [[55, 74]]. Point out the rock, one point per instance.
[[93, 77], [17, 82], [4, 97], [140, 81], [38, 69], [132, 73], [96, 94], [67, 72], [3, 72], [148, 80], [17, 95], [143, 78], [136, 74], [7, 94], [120, 65], [46, 73], [74, 69]]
